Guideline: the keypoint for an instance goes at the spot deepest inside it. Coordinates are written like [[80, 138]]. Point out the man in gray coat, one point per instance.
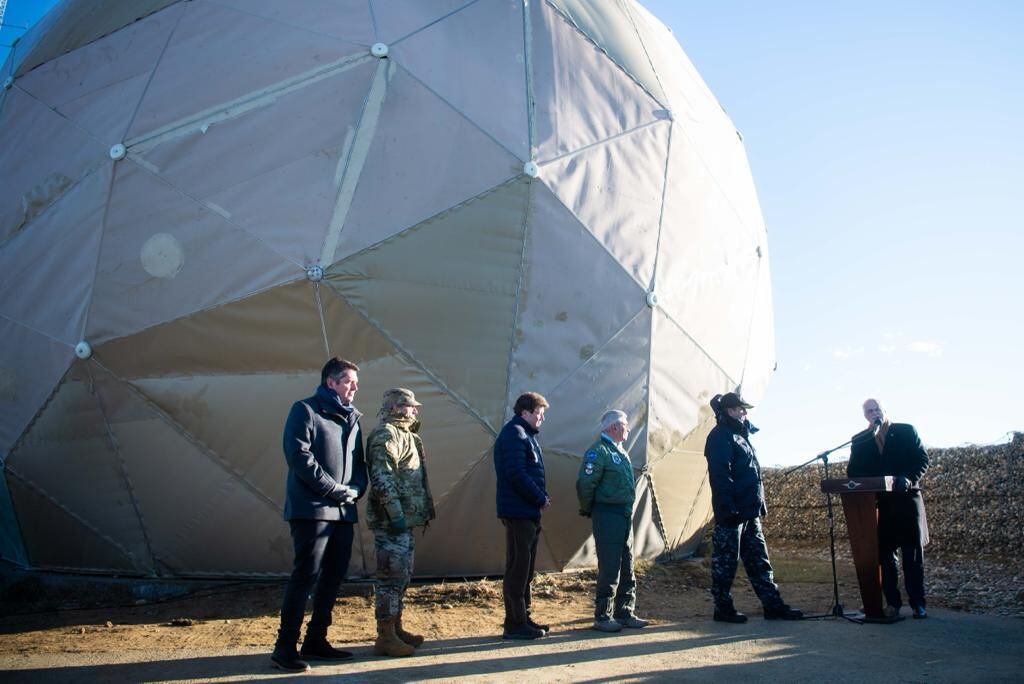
[[323, 447]]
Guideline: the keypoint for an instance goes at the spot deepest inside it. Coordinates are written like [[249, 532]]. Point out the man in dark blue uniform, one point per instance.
[[894, 449], [737, 497]]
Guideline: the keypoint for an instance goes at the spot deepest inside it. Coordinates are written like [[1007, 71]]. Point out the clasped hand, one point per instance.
[[346, 495]]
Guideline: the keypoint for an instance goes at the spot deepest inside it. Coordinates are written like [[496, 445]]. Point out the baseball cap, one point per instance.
[[399, 396], [733, 400]]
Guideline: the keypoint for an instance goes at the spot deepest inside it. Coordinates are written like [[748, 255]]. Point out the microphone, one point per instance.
[[878, 422]]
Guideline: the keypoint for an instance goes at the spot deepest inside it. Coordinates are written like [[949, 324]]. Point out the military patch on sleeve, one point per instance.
[[590, 456], [589, 469]]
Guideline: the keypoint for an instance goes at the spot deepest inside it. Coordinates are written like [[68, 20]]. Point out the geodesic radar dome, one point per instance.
[[201, 201]]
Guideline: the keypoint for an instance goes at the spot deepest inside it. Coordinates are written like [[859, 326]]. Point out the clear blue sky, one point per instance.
[[19, 14], [885, 141]]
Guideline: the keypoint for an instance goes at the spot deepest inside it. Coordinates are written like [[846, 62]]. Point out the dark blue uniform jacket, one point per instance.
[[735, 474]]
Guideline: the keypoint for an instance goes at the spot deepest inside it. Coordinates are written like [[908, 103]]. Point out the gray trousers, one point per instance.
[[616, 583]]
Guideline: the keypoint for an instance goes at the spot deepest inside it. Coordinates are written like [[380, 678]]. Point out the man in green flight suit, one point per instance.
[[606, 490]]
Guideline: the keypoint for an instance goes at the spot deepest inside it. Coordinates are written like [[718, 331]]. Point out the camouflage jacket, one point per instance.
[[398, 476], [605, 477]]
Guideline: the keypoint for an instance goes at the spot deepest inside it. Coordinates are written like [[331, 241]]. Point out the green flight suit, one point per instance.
[[606, 490]]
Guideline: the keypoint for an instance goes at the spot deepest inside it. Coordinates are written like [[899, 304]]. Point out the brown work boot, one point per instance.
[[388, 643], [414, 640]]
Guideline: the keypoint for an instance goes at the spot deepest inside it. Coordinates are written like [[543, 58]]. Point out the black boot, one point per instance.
[[285, 658], [522, 632], [782, 612], [729, 614], [315, 646]]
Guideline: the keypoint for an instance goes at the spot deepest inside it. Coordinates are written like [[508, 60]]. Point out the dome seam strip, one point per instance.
[[411, 359], [123, 470], [571, 22], [198, 444], [597, 352], [156, 66], [39, 491]]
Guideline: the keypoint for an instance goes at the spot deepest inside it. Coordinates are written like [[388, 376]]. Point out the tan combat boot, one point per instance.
[[414, 640], [388, 643]]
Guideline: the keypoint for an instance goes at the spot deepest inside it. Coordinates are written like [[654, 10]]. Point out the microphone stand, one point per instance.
[[836, 611]]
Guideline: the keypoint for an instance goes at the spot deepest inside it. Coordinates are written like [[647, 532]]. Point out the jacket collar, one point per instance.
[[330, 403], [400, 422], [530, 430], [743, 428]]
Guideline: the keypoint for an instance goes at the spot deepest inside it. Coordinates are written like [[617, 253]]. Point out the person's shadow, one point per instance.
[[492, 659]]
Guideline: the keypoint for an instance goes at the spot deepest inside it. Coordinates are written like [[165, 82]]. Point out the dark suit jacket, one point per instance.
[[323, 448], [901, 515]]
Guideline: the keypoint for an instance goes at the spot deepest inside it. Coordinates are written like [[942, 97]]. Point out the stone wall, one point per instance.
[[974, 497]]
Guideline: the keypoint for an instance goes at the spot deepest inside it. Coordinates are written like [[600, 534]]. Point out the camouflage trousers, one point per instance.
[[394, 570], [729, 545]]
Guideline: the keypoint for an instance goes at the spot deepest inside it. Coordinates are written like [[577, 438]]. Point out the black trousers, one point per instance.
[[520, 555], [913, 572], [322, 552]]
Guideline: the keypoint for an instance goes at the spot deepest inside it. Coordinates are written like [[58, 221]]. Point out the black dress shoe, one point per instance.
[[536, 625], [783, 612], [730, 615], [522, 633], [320, 649], [288, 661], [920, 613]]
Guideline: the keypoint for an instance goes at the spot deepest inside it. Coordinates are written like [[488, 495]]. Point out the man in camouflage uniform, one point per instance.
[[606, 490], [399, 501], [737, 497]]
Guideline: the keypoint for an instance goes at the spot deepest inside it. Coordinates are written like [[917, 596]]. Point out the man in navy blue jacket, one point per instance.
[[737, 499], [521, 496], [323, 448]]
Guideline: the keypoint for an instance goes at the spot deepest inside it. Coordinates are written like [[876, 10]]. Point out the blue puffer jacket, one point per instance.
[[736, 490], [519, 469]]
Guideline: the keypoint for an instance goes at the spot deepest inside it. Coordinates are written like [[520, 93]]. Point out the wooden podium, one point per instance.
[[859, 495]]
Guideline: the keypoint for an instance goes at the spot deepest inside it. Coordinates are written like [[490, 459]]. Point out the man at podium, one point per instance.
[[895, 449]]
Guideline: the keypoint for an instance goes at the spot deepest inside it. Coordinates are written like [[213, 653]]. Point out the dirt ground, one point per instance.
[[245, 615]]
